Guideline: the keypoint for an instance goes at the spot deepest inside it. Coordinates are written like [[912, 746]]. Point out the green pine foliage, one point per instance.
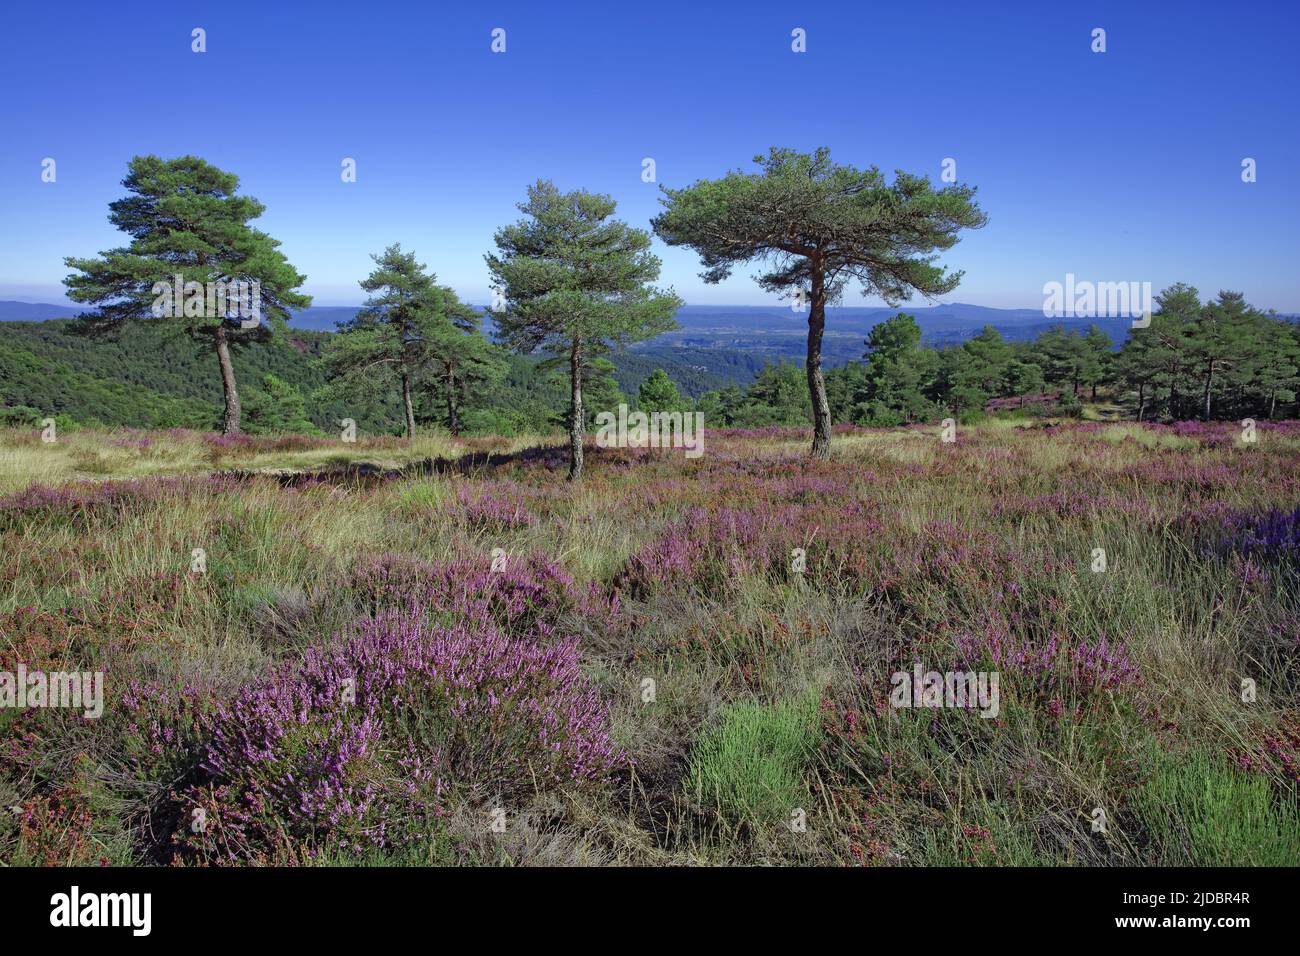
[[576, 283], [658, 393], [817, 227], [189, 228]]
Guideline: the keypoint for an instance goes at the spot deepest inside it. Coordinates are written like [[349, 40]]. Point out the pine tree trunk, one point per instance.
[[410, 408], [231, 424], [1141, 399], [821, 445], [1272, 402], [453, 421], [575, 411], [1209, 383]]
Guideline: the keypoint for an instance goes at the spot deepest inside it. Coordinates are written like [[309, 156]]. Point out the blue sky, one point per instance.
[[1120, 166]]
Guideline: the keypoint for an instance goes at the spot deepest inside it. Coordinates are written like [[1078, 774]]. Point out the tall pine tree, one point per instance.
[[185, 219], [575, 280], [819, 226]]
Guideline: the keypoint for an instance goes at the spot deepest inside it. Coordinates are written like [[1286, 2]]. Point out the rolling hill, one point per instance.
[[152, 376]]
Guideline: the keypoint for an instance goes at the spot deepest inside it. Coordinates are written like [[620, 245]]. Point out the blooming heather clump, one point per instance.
[[673, 554], [1102, 665], [134, 439], [1069, 505], [1188, 474], [357, 745], [80, 503], [76, 501], [1270, 536], [259, 444], [786, 432], [713, 546], [1224, 434], [526, 597], [162, 727], [1056, 667], [490, 510]]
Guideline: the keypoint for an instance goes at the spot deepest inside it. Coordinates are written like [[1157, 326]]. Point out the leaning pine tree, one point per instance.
[[576, 281], [189, 235], [819, 226]]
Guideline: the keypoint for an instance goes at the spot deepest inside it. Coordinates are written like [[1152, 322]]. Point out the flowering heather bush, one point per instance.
[[1057, 668], [1283, 745], [528, 598], [673, 555], [779, 432], [355, 743], [711, 547], [163, 727], [1224, 434], [258, 444], [950, 565], [492, 510], [133, 439], [1102, 665], [1268, 536], [714, 546], [80, 503], [1070, 505], [1210, 478]]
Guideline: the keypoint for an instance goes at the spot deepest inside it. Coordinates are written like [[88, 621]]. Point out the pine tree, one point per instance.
[[185, 219], [1218, 340], [1172, 329], [1097, 359], [1277, 369], [386, 346], [658, 393], [898, 373], [819, 226], [278, 409], [460, 358], [1135, 368], [977, 370], [575, 280]]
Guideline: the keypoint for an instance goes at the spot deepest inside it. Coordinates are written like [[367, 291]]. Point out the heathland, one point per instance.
[[440, 651]]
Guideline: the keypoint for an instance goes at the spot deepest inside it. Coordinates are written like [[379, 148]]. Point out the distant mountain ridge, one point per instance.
[[717, 345], [11, 311], [938, 323]]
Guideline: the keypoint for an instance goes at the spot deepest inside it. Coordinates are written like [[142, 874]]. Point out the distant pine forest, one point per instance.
[[1217, 359]]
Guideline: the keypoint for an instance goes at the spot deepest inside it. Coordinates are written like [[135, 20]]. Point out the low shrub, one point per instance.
[[359, 745]]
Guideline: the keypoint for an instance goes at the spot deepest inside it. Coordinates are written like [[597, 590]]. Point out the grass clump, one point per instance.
[[1200, 810], [752, 766]]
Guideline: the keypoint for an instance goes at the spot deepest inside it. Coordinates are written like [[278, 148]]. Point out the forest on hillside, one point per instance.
[[1240, 361]]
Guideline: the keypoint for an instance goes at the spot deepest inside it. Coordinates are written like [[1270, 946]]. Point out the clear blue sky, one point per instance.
[[1122, 166]]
